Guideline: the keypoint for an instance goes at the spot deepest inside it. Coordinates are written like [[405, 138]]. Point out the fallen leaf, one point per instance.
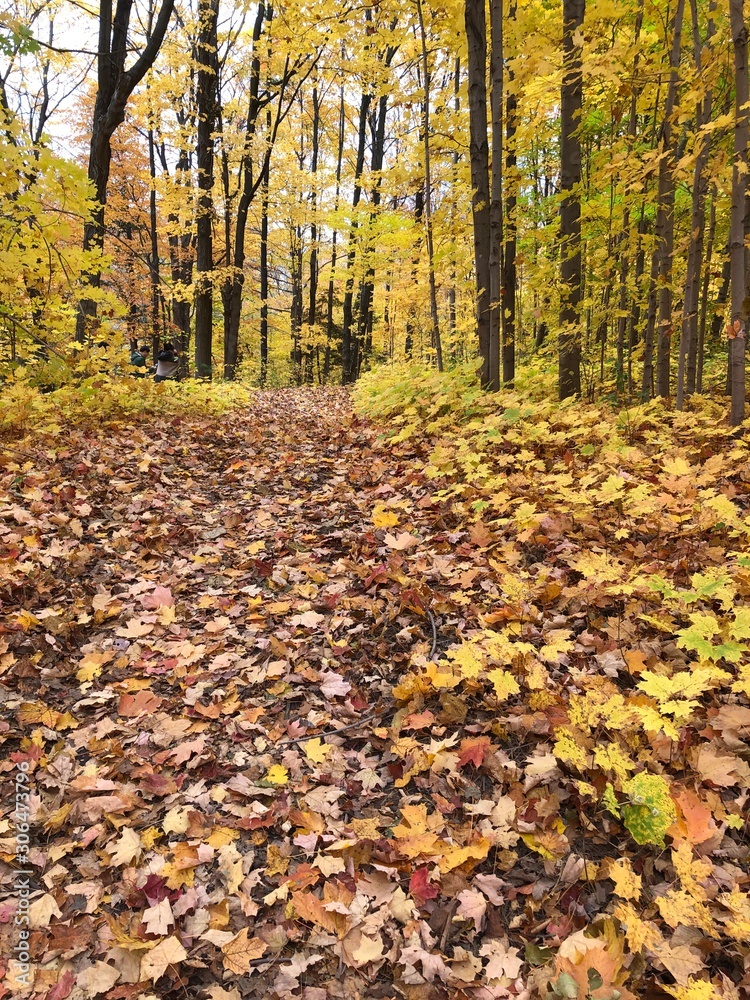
[[241, 951]]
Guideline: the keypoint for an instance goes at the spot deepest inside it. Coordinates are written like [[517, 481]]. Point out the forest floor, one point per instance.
[[290, 729]]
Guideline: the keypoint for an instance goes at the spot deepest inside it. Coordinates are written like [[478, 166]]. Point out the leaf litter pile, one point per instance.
[[308, 710]]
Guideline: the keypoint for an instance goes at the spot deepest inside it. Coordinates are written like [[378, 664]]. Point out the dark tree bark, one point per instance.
[[436, 344], [622, 319], [348, 342], [115, 84], [334, 239], [312, 313], [363, 341], [180, 249], [496, 188], [454, 186], [689, 332], [264, 263], [362, 344], [509, 281], [571, 103], [476, 32], [700, 347], [739, 186], [665, 212], [153, 263], [206, 108]]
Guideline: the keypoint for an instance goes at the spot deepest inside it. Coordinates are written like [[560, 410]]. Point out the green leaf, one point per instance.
[[538, 956], [595, 980], [565, 986]]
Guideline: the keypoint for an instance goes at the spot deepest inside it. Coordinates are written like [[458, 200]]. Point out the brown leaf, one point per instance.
[[241, 951]]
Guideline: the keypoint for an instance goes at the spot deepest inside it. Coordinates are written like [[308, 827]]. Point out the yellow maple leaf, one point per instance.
[[504, 683], [698, 989], [316, 750], [439, 678], [639, 933], [628, 884], [383, 517], [454, 856], [468, 659], [221, 835], [738, 903], [679, 907], [277, 775], [691, 871]]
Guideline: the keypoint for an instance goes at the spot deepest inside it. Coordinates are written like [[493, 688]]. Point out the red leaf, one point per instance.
[[62, 988], [474, 751], [421, 888]]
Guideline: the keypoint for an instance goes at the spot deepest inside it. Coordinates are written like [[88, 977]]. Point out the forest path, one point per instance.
[[191, 603]]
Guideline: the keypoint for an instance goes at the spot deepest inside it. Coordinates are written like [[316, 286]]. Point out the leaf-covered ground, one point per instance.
[[307, 712]]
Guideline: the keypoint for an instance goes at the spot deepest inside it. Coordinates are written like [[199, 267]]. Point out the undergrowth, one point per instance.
[[102, 401]]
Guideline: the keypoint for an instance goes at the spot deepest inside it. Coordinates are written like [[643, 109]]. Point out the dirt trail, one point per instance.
[[183, 607]]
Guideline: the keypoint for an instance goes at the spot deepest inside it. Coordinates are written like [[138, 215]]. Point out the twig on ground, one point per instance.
[[434, 635], [330, 732]]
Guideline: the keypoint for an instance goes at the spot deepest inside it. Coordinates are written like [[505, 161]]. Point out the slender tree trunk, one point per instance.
[[180, 251], [349, 342], [329, 304], [665, 212], [232, 293], [153, 262], [571, 104], [206, 103], [622, 319], [454, 187], [691, 301], [700, 348], [509, 277], [476, 31], [496, 188], [264, 263], [416, 250], [436, 344], [739, 185], [367, 287], [312, 315]]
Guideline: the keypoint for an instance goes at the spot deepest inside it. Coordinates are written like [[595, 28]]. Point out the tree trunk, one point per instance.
[[689, 332], [739, 185], [509, 278], [571, 103], [476, 32], [349, 343], [334, 239], [234, 283], [700, 347], [665, 212], [115, 84], [206, 106], [312, 306], [437, 346], [622, 319], [153, 263], [454, 187], [264, 263], [496, 188]]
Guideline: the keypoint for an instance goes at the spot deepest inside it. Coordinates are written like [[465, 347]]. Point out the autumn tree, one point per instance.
[[115, 84], [571, 105]]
